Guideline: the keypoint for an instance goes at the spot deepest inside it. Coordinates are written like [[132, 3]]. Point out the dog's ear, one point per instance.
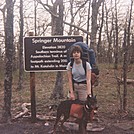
[[95, 96], [88, 97]]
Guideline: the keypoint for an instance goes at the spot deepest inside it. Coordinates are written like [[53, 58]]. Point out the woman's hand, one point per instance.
[[72, 96]]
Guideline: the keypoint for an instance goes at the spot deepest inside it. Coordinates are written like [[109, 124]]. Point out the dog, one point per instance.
[[82, 111]]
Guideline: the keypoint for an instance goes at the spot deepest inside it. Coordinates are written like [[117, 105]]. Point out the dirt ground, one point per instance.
[[26, 127], [103, 125]]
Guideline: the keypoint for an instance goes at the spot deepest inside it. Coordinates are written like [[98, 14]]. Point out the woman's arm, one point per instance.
[[88, 82], [70, 85]]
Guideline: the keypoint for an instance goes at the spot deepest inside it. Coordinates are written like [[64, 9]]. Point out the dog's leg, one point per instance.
[[85, 127], [82, 127], [62, 122], [92, 115], [56, 122], [55, 125]]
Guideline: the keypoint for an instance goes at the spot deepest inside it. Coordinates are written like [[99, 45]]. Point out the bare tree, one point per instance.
[[126, 47], [123, 80], [109, 31], [8, 61], [94, 26], [132, 51], [99, 51], [77, 6], [88, 20], [57, 29], [56, 12], [116, 37], [21, 47]]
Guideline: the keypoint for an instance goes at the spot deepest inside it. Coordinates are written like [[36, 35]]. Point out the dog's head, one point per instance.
[[91, 103]]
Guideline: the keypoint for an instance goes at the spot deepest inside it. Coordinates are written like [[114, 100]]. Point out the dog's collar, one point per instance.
[[87, 108]]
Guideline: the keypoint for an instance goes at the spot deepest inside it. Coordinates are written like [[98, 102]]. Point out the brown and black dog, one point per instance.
[[83, 111]]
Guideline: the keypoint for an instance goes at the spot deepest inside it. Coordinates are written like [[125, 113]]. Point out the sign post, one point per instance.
[[33, 100], [32, 92]]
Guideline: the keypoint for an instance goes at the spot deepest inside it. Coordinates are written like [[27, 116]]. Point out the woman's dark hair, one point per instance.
[[75, 48]]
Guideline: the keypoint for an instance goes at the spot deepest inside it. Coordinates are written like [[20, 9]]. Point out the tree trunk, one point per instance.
[[126, 57], [94, 26], [57, 22], [125, 70], [88, 20], [116, 39], [21, 48], [58, 89], [109, 35], [8, 62], [99, 50], [57, 29], [132, 51]]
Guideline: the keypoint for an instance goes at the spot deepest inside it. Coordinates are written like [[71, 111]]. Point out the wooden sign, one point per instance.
[[47, 53]]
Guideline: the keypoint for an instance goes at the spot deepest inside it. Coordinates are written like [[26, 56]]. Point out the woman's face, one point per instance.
[[76, 55]]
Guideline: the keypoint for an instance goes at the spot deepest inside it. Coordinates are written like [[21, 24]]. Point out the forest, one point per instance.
[[106, 27]]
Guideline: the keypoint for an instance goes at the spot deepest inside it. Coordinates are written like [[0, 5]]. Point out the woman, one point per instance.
[[79, 80]]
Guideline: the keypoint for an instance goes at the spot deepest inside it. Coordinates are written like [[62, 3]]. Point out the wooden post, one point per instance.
[[33, 101], [32, 91]]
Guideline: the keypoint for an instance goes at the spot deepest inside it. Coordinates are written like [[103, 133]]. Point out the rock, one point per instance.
[[124, 125], [90, 126]]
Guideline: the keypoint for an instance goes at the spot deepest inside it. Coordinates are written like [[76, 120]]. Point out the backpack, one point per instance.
[[89, 56]]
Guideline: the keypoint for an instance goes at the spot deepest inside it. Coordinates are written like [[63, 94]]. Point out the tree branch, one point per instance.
[[55, 15]]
